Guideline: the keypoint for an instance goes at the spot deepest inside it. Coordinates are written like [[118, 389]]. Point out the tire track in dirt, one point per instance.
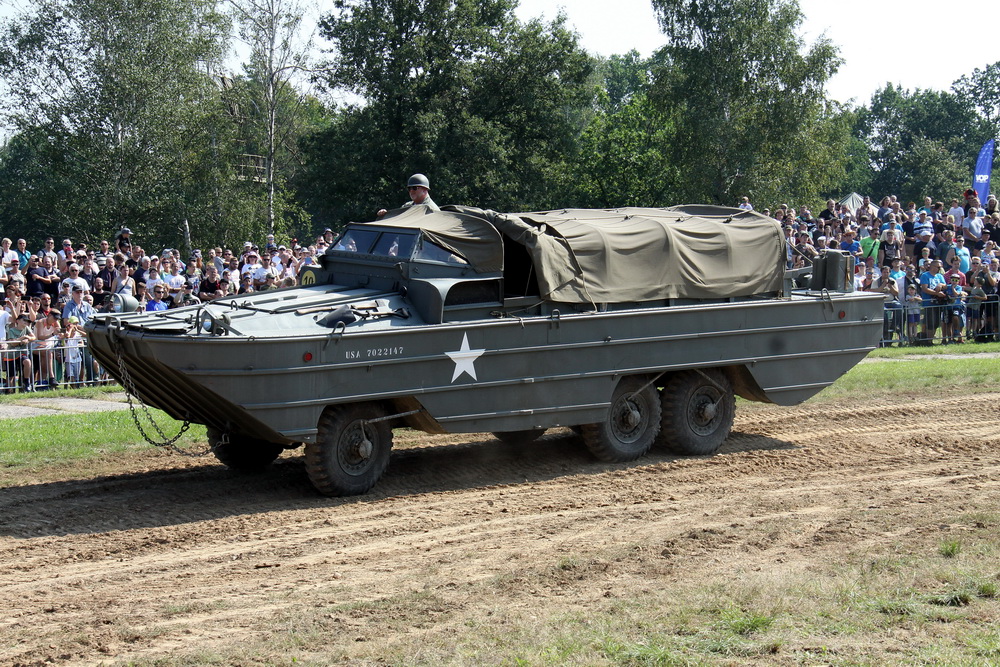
[[138, 564]]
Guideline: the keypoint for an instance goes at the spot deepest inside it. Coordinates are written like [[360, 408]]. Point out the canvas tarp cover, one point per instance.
[[646, 254], [619, 255]]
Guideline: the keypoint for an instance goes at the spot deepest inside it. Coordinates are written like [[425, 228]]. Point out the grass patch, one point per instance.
[[918, 351], [642, 653], [950, 548], [744, 623], [35, 441], [987, 589], [912, 377], [98, 391], [986, 644]]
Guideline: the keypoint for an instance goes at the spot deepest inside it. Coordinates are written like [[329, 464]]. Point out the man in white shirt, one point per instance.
[[956, 211], [5, 319], [266, 269], [251, 265], [972, 225], [7, 254], [73, 279], [174, 282]]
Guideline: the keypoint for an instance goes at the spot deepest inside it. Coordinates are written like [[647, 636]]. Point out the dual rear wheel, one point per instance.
[[691, 415]]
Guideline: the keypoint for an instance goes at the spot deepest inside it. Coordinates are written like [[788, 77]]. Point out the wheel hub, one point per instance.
[[356, 448], [628, 420], [703, 412], [631, 416], [365, 446], [708, 411]]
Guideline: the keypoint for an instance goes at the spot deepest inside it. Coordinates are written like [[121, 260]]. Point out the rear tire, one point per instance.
[[697, 412], [350, 453], [519, 437], [631, 426], [242, 452]]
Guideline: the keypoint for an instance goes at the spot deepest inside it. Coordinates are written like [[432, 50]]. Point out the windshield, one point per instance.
[[356, 240], [376, 242], [394, 244]]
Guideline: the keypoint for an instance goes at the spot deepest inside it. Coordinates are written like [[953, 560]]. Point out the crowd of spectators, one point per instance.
[[936, 265], [50, 294]]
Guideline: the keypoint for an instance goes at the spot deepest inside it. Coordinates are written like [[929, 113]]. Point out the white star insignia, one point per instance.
[[465, 359]]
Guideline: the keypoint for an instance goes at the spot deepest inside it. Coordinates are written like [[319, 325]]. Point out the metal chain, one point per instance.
[[129, 392]]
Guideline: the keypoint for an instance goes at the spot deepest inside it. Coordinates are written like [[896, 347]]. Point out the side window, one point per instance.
[[435, 253]]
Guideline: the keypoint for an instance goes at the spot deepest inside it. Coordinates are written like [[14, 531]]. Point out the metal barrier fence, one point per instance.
[[35, 367], [905, 325]]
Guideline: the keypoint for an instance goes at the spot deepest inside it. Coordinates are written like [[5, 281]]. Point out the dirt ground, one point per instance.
[[170, 556]]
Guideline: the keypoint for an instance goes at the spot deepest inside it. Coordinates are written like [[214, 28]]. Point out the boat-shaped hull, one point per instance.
[[497, 374], [635, 325]]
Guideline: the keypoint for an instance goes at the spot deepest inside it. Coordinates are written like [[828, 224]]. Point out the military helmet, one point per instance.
[[418, 180]]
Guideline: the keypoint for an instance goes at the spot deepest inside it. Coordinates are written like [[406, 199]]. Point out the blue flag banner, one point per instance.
[[984, 167]]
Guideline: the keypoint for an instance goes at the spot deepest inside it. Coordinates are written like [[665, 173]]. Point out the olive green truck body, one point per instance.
[[634, 326]]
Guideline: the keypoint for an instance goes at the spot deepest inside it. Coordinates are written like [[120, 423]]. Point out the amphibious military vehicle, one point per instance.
[[633, 326]]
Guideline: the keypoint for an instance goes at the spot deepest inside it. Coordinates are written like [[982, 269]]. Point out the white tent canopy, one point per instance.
[[853, 201]]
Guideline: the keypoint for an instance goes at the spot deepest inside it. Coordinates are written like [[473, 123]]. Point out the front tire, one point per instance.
[[631, 426], [351, 452], [698, 412], [243, 453]]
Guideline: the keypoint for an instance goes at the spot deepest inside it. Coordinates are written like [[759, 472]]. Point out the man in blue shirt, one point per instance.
[[77, 307], [157, 303], [932, 290], [23, 255], [849, 244]]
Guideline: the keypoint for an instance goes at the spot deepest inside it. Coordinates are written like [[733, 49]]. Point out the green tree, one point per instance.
[[929, 168], [116, 102], [623, 158], [981, 89], [272, 113], [944, 125], [746, 96], [490, 108]]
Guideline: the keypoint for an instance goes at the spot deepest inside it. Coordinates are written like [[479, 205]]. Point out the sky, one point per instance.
[[914, 44]]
